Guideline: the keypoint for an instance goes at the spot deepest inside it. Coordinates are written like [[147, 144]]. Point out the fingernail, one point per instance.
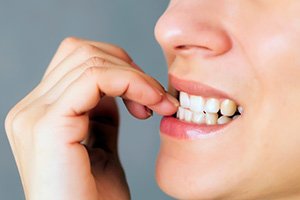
[[159, 92], [149, 111], [172, 99]]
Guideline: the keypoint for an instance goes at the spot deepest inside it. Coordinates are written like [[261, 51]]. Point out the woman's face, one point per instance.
[[249, 52]]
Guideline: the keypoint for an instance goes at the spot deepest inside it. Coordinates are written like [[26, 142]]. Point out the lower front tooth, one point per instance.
[[180, 113], [211, 118], [198, 118], [188, 115]]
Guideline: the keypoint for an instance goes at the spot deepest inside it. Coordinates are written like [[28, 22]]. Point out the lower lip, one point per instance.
[[178, 129]]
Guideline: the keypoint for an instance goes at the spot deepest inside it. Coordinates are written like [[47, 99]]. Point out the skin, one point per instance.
[[248, 49], [64, 133]]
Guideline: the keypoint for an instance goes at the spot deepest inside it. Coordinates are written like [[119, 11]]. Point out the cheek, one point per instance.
[[276, 61], [274, 54]]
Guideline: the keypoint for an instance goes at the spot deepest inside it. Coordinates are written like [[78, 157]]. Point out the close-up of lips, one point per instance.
[[228, 119], [203, 110]]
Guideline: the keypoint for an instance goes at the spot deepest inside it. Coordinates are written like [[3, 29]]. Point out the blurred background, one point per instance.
[[31, 32]]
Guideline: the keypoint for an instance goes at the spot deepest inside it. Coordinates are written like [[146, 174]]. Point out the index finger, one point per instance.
[[85, 92]]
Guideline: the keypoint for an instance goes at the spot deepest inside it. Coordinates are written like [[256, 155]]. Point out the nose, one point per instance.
[[188, 27]]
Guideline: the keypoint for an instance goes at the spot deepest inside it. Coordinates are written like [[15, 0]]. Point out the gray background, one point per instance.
[[30, 33]]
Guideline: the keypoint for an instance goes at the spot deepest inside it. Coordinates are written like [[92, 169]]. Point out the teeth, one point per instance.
[[235, 116], [188, 115], [180, 113], [223, 120], [211, 118], [212, 105], [240, 109], [184, 100], [199, 118], [211, 111], [228, 107], [197, 103]]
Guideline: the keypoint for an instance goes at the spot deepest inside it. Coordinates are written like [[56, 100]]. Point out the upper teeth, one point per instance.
[[228, 107], [212, 105], [211, 111]]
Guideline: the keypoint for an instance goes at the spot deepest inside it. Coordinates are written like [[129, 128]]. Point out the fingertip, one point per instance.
[[168, 106], [172, 99]]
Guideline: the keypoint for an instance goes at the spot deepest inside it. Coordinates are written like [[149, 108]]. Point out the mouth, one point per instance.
[[203, 111]]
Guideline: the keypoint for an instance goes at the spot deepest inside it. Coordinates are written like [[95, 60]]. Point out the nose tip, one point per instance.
[[179, 33]]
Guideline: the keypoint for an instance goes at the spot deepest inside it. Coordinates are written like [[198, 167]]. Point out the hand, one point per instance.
[[64, 133]]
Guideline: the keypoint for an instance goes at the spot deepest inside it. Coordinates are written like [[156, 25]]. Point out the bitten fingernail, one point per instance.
[[159, 92]]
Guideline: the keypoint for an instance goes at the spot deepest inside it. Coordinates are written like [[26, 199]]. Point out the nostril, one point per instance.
[[188, 47], [181, 47], [208, 41], [191, 49]]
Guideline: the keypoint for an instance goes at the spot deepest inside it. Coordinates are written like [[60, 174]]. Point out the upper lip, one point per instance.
[[197, 88]]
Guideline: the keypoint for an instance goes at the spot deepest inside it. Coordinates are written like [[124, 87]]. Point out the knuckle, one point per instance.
[[16, 123], [70, 42], [88, 50], [133, 77], [8, 121], [95, 61], [19, 122]]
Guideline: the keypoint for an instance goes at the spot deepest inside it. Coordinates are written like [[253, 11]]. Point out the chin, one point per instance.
[[195, 179]]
